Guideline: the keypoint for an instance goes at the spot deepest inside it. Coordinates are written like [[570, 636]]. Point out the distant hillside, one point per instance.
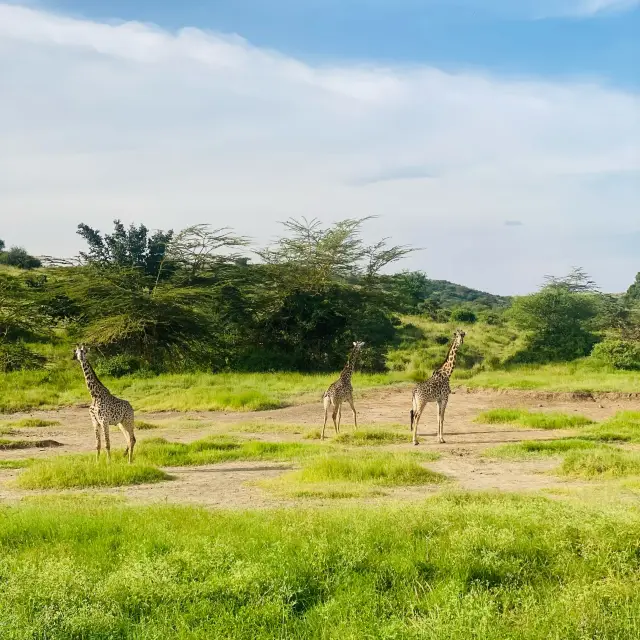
[[449, 294]]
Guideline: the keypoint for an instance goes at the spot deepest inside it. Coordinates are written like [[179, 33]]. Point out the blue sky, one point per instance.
[[502, 136], [468, 33]]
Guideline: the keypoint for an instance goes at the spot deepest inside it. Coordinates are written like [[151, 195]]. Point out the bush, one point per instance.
[[463, 315], [619, 354], [118, 366], [15, 356], [18, 257]]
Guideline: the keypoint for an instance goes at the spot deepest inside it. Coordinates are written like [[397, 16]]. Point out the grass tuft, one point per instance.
[[536, 448], [348, 475], [146, 426], [33, 422], [371, 437], [601, 463], [623, 427], [18, 463], [533, 420], [71, 472], [217, 449]]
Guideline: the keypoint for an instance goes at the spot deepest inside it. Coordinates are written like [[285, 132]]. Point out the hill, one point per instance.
[[449, 294]]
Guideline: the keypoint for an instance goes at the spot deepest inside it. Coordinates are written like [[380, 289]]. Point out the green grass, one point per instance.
[[27, 423], [349, 475], [64, 385], [146, 426], [455, 567], [567, 377], [265, 427], [601, 463], [623, 427], [215, 449], [71, 472], [18, 463], [537, 448], [370, 437], [533, 419]]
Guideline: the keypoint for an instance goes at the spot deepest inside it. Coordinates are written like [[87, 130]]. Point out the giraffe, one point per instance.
[[436, 389], [340, 391], [106, 409]]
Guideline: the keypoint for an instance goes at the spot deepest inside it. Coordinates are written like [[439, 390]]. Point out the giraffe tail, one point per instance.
[[412, 413]]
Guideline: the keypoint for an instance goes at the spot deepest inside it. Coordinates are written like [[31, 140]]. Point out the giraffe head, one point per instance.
[[458, 336], [80, 353], [357, 346]]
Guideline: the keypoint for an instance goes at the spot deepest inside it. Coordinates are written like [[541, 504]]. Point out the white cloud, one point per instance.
[[99, 121]]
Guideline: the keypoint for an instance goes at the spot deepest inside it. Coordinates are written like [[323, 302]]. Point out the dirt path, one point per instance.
[[230, 485]]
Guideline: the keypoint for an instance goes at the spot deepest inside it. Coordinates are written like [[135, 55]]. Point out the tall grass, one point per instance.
[[623, 427], [71, 472], [456, 567], [215, 449], [601, 463], [533, 419]]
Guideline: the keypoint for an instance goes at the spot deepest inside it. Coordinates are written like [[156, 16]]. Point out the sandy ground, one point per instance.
[[231, 485]]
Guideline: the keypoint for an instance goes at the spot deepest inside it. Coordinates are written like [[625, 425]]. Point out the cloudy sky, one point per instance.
[[501, 136]]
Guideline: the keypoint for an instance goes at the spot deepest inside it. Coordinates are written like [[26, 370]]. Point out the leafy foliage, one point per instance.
[[619, 354], [559, 320], [18, 257]]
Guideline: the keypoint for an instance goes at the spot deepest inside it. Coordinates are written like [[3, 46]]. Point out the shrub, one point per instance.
[[15, 356], [118, 366], [463, 315], [619, 354]]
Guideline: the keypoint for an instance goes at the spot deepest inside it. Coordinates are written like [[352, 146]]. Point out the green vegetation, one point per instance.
[[215, 449], [536, 448], [146, 426], [533, 419], [370, 437], [377, 469], [17, 463], [27, 423], [601, 463], [455, 567], [78, 472], [7, 445], [623, 427]]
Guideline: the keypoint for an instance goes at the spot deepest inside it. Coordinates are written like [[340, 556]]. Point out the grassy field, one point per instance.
[[537, 448], [454, 567], [185, 392]]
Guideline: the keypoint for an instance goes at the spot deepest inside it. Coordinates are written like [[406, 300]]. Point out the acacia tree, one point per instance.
[[559, 319], [134, 247]]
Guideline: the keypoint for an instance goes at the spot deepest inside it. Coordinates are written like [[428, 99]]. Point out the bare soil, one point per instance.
[[231, 485]]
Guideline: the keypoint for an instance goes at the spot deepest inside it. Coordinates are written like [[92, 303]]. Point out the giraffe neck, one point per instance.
[[450, 362], [347, 372], [96, 388]]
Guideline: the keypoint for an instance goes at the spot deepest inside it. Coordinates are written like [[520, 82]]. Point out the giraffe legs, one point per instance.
[[416, 413], [355, 417], [96, 428], [107, 441], [442, 406], [337, 413], [126, 426], [327, 404]]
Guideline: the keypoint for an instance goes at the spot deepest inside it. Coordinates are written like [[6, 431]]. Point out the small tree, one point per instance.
[[134, 247], [559, 320], [20, 258], [633, 292]]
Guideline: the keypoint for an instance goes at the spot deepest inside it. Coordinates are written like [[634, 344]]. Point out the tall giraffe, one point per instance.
[[436, 389], [106, 409], [340, 391]]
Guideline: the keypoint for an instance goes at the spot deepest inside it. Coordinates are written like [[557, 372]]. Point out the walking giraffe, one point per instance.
[[106, 409], [436, 389], [340, 391]]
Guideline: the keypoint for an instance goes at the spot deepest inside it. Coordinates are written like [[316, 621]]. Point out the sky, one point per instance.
[[501, 137]]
